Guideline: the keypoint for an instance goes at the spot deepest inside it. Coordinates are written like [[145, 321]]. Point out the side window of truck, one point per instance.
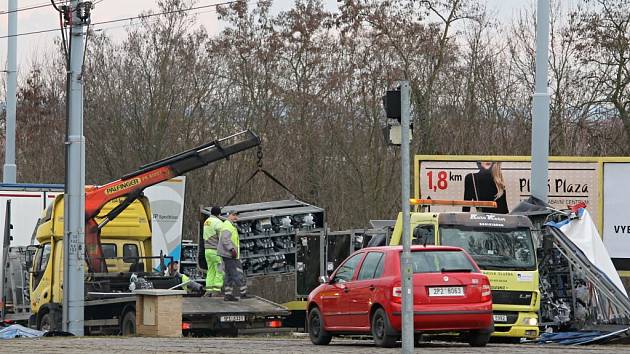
[[41, 261], [130, 253], [109, 250], [424, 235]]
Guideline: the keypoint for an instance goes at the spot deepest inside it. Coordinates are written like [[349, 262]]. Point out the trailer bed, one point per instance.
[[202, 306]]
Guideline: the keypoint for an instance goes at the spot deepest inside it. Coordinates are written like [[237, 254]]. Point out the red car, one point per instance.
[[363, 296]]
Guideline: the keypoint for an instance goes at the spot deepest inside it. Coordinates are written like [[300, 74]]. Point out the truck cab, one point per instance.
[[126, 242], [503, 247]]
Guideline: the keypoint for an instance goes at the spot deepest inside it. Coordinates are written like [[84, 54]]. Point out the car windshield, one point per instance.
[[493, 248], [441, 261]]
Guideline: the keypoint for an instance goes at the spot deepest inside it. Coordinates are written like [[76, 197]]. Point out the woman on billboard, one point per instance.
[[486, 185]]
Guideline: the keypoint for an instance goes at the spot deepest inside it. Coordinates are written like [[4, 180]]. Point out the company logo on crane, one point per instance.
[[122, 186]]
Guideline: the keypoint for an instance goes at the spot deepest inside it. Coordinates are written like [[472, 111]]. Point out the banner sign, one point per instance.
[[616, 233], [569, 182]]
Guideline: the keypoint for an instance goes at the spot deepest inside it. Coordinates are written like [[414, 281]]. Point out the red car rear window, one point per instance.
[[441, 261]]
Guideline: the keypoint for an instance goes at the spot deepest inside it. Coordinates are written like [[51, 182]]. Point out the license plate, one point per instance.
[[447, 291], [500, 318], [232, 318]]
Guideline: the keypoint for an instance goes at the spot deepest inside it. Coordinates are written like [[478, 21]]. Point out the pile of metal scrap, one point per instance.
[[580, 287]]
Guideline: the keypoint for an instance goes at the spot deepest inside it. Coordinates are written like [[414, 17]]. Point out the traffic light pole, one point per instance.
[[406, 265]]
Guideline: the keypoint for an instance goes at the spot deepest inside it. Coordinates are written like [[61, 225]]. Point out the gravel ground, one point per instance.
[[254, 345]]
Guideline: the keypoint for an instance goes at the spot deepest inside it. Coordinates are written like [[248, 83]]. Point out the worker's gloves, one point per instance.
[[233, 252]]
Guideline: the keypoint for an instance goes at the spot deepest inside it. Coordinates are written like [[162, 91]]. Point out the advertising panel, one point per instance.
[[167, 209], [507, 183], [616, 230]]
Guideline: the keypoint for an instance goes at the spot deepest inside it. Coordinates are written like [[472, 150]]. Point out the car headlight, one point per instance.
[[530, 321]]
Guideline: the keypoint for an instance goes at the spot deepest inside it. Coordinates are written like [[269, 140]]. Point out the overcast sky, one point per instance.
[[46, 18]]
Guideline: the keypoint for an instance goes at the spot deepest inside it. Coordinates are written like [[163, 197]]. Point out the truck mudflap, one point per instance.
[[203, 313]]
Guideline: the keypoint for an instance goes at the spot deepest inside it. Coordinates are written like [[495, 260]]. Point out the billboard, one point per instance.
[[616, 228], [568, 183], [600, 182]]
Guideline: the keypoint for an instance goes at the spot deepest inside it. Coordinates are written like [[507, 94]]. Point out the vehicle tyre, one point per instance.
[[316, 330], [380, 329], [49, 322], [478, 339], [418, 339], [128, 324]]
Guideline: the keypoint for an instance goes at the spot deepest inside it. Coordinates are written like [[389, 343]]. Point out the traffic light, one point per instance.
[[391, 103]]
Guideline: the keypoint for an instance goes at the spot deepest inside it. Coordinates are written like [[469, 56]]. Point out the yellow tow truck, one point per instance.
[[118, 256], [502, 246]]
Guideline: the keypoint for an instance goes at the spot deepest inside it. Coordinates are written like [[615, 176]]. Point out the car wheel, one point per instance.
[[380, 329], [478, 339], [316, 331], [128, 324]]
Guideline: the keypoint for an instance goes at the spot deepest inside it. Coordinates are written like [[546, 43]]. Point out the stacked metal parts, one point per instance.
[[268, 233], [188, 262]]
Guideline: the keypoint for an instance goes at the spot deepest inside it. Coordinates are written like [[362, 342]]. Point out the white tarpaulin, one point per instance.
[[583, 233]]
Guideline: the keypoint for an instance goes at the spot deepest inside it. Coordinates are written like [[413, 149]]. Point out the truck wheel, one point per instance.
[[49, 322], [45, 323], [316, 331], [128, 324], [478, 339], [381, 328]]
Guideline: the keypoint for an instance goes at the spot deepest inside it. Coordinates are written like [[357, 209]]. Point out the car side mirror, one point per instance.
[[324, 279]]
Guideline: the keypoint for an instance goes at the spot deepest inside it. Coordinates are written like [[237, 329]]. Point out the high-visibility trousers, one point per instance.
[[214, 275]]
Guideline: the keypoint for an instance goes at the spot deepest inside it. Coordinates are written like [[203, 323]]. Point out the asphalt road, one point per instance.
[[255, 345]]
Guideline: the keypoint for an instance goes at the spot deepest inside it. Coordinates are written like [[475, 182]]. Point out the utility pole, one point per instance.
[[540, 109], [10, 169], [74, 197], [405, 260]]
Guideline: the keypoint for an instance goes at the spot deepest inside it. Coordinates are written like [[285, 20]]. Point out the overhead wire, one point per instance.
[[139, 17], [27, 8]]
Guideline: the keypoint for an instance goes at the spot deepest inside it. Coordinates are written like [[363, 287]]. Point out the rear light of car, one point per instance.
[[397, 294], [185, 326], [486, 292]]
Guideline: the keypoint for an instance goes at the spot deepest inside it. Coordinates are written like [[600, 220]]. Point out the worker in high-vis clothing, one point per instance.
[[188, 285], [229, 250], [211, 229]]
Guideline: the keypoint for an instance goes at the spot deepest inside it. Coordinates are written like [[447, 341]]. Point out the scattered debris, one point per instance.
[[19, 331]]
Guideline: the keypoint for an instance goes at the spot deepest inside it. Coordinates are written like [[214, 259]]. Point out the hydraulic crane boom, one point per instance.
[[130, 186]]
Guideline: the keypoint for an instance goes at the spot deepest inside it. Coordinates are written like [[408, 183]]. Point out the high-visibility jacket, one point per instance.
[[228, 239], [211, 229]]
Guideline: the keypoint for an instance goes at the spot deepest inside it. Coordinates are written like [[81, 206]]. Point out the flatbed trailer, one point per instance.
[[115, 313], [203, 315]]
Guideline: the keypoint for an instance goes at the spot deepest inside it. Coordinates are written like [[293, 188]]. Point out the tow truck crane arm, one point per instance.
[[130, 186]]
